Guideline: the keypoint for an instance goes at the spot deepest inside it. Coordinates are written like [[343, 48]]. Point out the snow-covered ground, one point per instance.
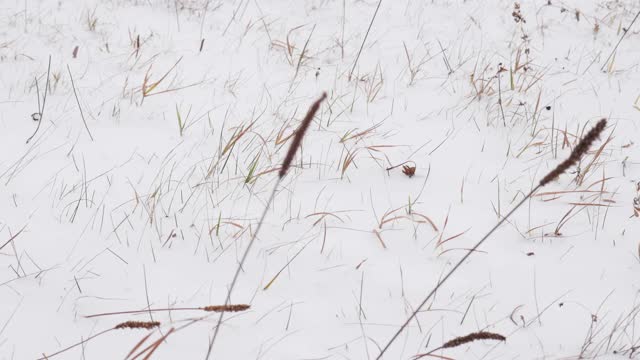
[[142, 188]]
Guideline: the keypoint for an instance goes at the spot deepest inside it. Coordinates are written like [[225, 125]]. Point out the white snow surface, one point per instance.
[[189, 108]]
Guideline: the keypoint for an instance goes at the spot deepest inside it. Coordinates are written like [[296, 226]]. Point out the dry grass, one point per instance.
[[284, 169], [173, 201], [459, 341], [578, 152]]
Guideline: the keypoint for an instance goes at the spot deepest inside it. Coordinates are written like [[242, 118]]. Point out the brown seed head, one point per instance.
[[138, 325], [297, 139], [226, 308], [577, 153], [481, 335]]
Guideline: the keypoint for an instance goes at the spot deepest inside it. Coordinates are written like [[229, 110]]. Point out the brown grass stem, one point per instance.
[[355, 63], [458, 264], [208, 308], [240, 265], [293, 148], [576, 154]]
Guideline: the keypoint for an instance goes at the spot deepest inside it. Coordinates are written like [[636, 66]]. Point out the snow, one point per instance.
[[129, 212]]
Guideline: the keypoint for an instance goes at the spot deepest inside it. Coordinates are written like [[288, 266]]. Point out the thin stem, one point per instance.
[[137, 312], [619, 41], [203, 308], [244, 258], [286, 165], [45, 357], [365, 39], [73, 85], [464, 258], [578, 152]]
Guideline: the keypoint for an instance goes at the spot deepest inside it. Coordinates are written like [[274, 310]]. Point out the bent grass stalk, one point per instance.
[[577, 153], [286, 164]]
